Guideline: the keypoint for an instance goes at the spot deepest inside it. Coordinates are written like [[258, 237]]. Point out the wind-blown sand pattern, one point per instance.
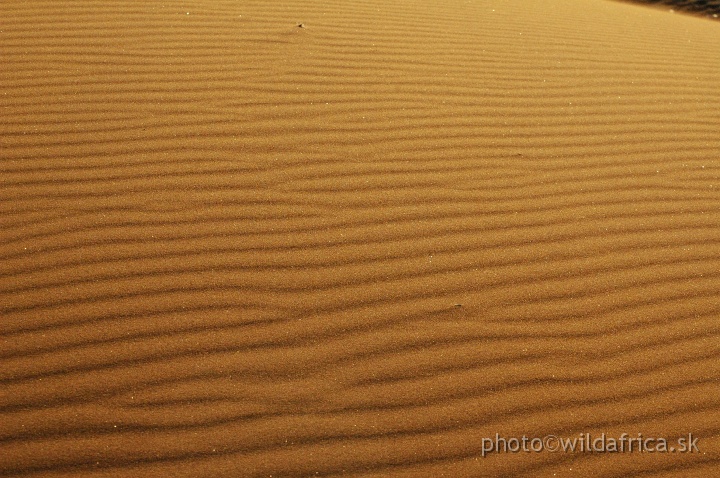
[[236, 247]]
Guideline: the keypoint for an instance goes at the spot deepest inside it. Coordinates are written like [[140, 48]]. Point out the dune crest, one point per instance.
[[705, 8]]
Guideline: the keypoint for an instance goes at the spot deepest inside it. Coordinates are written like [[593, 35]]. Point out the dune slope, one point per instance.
[[234, 246]]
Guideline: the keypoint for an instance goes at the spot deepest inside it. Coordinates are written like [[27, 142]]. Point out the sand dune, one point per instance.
[[233, 246]]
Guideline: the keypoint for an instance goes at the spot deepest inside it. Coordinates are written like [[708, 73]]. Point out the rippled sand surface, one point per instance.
[[236, 246]]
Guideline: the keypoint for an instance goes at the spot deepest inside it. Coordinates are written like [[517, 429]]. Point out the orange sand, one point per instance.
[[236, 247]]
